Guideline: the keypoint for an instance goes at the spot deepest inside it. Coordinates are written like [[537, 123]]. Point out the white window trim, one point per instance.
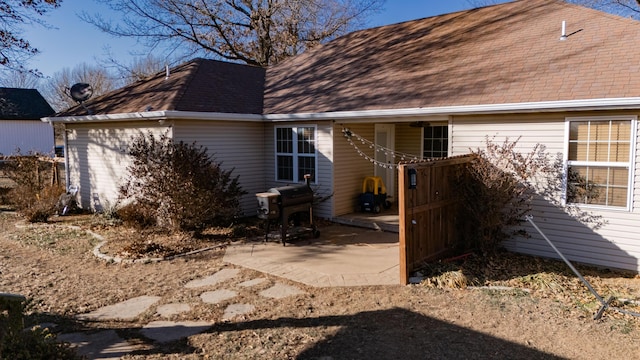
[[449, 127], [631, 162], [295, 153]]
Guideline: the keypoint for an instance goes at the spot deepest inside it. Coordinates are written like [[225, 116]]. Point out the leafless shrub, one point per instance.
[[178, 186], [498, 188], [34, 195]]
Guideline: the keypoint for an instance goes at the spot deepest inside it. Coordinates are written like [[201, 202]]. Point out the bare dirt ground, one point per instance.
[[547, 313]]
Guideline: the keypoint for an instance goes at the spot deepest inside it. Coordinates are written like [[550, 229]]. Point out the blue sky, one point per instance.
[[73, 41]]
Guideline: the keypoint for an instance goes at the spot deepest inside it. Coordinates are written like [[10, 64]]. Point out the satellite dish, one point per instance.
[[81, 92]]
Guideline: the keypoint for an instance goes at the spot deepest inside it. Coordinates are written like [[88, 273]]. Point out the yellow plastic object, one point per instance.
[[373, 184]]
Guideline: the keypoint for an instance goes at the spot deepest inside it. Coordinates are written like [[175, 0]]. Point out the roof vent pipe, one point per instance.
[[563, 37], [166, 69]]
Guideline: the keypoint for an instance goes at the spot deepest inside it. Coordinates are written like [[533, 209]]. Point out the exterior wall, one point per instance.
[[616, 244], [97, 160], [408, 141], [351, 168], [324, 184], [27, 135], [238, 145]]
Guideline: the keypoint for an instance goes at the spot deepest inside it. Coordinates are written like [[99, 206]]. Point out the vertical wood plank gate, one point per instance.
[[428, 206]]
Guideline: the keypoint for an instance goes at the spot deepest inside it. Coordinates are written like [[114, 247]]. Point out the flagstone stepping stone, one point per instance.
[[253, 282], [279, 291], [100, 345], [167, 310], [218, 296], [166, 331], [234, 310], [220, 276], [126, 310]]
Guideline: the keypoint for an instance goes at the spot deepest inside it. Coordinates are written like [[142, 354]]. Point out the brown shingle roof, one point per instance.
[[507, 53], [23, 104], [199, 85]]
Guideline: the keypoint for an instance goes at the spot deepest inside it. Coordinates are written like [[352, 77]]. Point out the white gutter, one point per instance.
[[155, 115], [542, 106], [365, 115]]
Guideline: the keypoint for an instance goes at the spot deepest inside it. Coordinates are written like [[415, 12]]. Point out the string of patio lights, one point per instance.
[[350, 136]]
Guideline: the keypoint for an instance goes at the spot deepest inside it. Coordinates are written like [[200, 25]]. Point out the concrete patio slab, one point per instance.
[[341, 256]]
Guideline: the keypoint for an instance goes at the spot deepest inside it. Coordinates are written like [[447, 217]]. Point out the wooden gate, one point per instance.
[[428, 205]]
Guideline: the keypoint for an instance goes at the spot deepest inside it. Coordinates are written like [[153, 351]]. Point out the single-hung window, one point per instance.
[[435, 142], [295, 153], [599, 160]]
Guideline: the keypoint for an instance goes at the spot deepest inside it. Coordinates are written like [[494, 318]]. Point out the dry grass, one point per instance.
[[544, 278], [53, 266]]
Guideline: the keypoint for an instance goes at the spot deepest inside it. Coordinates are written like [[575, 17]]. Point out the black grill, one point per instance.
[[286, 204]]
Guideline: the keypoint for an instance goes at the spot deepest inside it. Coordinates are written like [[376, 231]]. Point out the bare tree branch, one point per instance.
[[20, 79], [14, 14], [256, 32], [56, 89], [629, 8]]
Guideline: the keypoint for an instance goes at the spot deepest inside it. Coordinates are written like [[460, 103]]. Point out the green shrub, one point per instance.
[[178, 185]]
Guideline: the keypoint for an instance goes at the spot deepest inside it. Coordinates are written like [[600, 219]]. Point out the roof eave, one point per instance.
[[153, 115], [367, 115], [444, 111]]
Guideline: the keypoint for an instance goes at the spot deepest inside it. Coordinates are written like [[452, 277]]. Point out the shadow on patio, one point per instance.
[[341, 256]]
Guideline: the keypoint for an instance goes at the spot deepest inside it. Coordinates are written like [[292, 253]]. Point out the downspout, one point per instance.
[[66, 157]]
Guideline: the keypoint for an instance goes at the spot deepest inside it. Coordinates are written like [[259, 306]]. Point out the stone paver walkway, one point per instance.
[[348, 257], [126, 310], [106, 344]]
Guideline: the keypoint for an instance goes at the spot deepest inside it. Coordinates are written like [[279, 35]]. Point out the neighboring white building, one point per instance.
[[20, 125]]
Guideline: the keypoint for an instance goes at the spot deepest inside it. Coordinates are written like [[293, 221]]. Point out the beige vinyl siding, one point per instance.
[[25, 135], [323, 186], [408, 141], [350, 168], [635, 202], [238, 145], [616, 244], [97, 160]]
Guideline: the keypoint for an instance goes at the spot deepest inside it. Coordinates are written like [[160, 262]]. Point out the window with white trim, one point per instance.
[[599, 161], [295, 153], [435, 141]]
